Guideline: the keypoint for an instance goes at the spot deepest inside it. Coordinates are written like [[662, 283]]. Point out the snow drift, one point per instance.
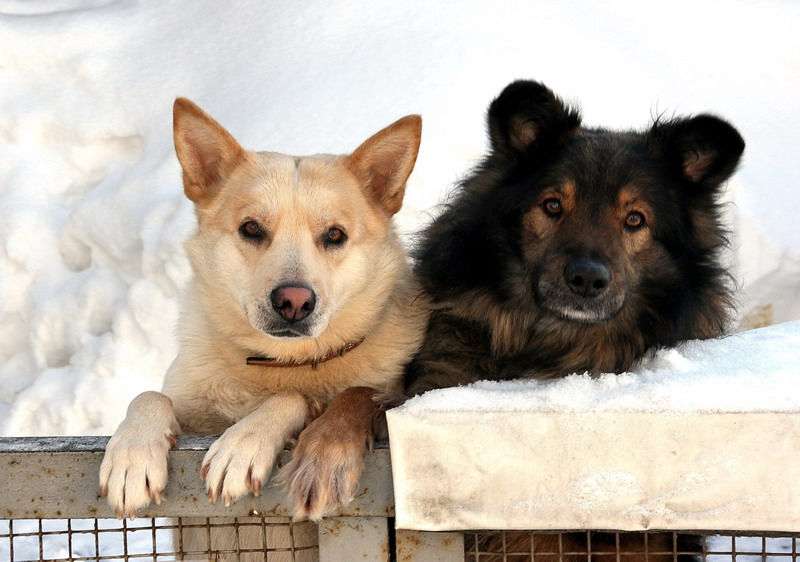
[[92, 216]]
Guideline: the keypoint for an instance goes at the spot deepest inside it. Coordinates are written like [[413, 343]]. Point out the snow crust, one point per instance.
[[92, 216], [753, 371]]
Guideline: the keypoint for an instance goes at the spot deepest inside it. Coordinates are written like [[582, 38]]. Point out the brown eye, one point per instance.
[[251, 231], [335, 237], [552, 207], [634, 220]]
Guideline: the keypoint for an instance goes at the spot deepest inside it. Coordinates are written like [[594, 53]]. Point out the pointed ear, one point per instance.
[[385, 160], [206, 151], [704, 150], [527, 116]]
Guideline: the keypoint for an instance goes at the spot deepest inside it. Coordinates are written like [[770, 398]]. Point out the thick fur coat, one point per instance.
[[572, 249], [296, 262]]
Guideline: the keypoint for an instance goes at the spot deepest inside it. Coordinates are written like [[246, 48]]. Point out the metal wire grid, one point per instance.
[[152, 539], [516, 546]]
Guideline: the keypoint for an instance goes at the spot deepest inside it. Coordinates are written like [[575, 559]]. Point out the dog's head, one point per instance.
[[286, 244], [574, 222]]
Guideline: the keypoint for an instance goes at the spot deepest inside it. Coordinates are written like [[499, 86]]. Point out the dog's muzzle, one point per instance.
[[583, 291]]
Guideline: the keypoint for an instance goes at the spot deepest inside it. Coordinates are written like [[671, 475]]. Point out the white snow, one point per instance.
[[753, 371], [92, 216], [64, 540]]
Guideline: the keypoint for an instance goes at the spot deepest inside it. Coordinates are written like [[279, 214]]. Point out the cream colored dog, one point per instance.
[[296, 262]]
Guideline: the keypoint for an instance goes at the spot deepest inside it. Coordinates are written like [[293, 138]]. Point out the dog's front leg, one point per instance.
[[134, 468], [241, 459], [327, 461]]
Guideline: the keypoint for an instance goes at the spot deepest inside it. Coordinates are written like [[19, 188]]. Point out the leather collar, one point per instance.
[[314, 361]]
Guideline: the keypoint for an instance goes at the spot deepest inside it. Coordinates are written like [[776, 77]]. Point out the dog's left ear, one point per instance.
[[206, 151], [385, 160], [704, 150]]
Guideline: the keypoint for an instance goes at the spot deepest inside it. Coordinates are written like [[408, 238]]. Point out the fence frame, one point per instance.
[[57, 478]]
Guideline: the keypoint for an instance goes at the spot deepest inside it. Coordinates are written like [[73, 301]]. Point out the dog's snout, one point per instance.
[[293, 302], [587, 277]]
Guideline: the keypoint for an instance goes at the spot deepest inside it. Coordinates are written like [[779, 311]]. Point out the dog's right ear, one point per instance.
[[528, 116], [206, 151], [385, 160]]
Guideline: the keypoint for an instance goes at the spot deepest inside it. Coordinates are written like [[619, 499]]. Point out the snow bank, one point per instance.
[[92, 216]]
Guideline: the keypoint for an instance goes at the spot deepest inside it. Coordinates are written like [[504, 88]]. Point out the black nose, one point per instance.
[[293, 302], [587, 277]]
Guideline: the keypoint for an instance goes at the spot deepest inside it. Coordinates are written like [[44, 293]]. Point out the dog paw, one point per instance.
[[134, 469], [325, 468], [239, 462]]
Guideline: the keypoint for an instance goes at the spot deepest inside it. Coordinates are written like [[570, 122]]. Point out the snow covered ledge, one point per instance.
[[706, 437]]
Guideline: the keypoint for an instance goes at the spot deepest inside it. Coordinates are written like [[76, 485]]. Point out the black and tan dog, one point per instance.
[[572, 249]]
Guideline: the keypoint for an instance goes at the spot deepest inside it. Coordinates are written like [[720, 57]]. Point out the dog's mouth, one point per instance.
[[596, 314], [286, 334]]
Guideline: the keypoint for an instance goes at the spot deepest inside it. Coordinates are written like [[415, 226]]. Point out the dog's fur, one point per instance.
[[572, 249], [294, 258]]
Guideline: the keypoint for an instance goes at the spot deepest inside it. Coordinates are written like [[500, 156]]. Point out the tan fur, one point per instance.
[[510, 326], [512, 330], [363, 289], [332, 448]]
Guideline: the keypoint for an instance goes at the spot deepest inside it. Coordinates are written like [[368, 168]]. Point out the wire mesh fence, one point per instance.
[[281, 540], [50, 510], [518, 546], [276, 539]]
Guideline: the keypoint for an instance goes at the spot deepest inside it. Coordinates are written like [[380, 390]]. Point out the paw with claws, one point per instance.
[[239, 462], [134, 469], [326, 464], [241, 459]]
